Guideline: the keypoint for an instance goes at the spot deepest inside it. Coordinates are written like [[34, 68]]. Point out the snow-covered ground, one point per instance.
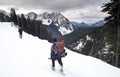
[[28, 57]]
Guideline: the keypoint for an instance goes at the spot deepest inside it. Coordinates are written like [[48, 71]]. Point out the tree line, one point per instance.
[[112, 27], [31, 26]]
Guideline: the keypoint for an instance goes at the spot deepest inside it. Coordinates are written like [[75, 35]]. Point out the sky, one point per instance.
[[75, 10], [28, 57]]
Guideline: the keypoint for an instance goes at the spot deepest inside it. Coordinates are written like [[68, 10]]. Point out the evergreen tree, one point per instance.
[[19, 21], [113, 28], [13, 16], [43, 32], [1, 17], [24, 23]]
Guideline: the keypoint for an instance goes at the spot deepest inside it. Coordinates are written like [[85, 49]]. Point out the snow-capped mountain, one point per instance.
[[4, 12], [32, 15], [63, 24], [4, 16]]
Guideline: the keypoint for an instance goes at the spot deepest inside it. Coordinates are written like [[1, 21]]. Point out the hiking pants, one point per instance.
[[59, 61]]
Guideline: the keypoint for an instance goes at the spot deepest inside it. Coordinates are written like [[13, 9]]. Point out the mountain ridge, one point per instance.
[[53, 18], [85, 25]]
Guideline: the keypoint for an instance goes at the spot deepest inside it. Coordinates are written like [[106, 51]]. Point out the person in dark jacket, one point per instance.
[[55, 55], [20, 32]]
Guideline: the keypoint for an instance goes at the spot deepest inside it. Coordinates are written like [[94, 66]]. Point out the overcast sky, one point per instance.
[[75, 10]]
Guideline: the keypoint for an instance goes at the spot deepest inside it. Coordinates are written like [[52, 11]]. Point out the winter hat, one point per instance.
[[54, 39]]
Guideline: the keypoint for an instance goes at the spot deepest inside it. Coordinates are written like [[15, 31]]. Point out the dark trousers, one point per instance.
[[59, 61], [20, 35]]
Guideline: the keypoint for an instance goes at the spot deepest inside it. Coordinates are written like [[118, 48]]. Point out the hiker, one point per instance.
[[56, 54], [20, 32]]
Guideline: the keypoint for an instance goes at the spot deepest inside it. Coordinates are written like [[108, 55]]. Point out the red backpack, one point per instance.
[[60, 46]]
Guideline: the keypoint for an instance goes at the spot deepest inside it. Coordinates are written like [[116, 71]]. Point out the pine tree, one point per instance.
[[13, 16], [24, 23], [1, 17], [113, 27], [19, 21]]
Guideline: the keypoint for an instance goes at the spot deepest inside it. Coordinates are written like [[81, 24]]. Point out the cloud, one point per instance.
[[75, 10], [54, 5], [88, 14]]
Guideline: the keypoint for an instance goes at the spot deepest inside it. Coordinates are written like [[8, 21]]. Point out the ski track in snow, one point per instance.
[[28, 57]]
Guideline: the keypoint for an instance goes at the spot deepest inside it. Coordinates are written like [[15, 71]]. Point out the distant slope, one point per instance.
[[85, 25], [77, 34]]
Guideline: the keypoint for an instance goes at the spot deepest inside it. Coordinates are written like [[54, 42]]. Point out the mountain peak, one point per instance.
[[4, 12], [62, 23], [32, 15]]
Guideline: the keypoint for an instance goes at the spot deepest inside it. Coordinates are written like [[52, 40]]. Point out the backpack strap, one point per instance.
[[54, 48]]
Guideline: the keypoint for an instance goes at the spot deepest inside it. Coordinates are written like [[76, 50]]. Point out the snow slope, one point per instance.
[[28, 57]]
